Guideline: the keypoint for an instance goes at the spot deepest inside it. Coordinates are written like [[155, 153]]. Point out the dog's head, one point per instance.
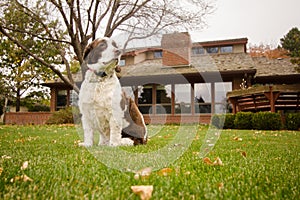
[[102, 55]]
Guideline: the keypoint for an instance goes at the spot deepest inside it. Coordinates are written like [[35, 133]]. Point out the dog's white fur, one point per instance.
[[99, 100]]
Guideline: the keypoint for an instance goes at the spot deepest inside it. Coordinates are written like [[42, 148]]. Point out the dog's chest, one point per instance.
[[100, 92]]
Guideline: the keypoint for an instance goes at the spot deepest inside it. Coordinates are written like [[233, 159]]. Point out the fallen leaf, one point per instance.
[[218, 161], [207, 160], [24, 165], [143, 173], [6, 157], [165, 171], [237, 139], [144, 191], [220, 186], [244, 153], [23, 178], [1, 170]]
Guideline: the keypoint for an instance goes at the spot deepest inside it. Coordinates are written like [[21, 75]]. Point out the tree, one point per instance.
[[19, 70], [291, 42], [84, 20]]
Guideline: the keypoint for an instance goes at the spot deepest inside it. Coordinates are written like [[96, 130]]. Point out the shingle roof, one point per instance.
[[212, 63]]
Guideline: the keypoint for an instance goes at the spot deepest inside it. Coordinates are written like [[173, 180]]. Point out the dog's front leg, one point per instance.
[[88, 133], [116, 136]]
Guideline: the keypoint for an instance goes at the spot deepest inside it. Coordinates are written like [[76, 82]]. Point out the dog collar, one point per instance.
[[101, 73]]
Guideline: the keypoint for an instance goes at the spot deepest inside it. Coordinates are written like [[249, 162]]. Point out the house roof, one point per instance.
[[213, 63]]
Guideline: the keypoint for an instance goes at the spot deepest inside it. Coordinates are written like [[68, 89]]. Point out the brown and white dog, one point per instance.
[[103, 105]]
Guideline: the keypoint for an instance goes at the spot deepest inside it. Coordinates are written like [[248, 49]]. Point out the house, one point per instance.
[[185, 81]]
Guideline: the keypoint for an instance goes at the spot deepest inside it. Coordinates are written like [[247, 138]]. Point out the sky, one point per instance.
[[261, 21]]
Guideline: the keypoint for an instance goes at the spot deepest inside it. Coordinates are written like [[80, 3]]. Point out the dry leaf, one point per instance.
[[24, 165], [143, 173], [237, 139], [207, 160], [23, 178], [220, 186], [244, 153], [6, 157], [165, 171], [144, 191], [1, 170], [218, 161]]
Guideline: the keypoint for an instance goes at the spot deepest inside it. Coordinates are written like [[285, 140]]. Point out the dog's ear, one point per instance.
[[93, 51]]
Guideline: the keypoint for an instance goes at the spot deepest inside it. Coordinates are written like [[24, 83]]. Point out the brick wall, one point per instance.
[[167, 119], [176, 49], [25, 118]]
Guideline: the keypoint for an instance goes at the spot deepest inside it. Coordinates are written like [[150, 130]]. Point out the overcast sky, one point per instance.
[[261, 21]]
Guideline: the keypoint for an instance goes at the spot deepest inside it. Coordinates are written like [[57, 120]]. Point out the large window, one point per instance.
[[221, 89], [202, 97], [212, 49], [163, 99], [198, 50], [226, 49], [182, 98], [145, 99]]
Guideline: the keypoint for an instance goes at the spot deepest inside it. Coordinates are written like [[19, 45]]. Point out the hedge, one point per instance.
[[64, 116], [225, 121], [243, 120], [266, 121], [292, 121]]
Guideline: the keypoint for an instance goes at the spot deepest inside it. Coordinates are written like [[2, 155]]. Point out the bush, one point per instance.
[[38, 108], [243, 120], [64, 116], [266, 121], [225, 121], [292, 121]]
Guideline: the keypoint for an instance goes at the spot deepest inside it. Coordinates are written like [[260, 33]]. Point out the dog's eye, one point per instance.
[[114, 44], [102, 44]]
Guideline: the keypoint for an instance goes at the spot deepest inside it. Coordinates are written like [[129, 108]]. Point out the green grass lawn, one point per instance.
[[257, 165]]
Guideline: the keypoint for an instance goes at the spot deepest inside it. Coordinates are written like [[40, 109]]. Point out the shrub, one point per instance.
[[292, 121], [225, 121], [64, 116], [266, 121], [229, 121], [243, 120]]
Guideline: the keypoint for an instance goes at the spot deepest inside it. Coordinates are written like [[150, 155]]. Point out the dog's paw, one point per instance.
[[82, 144], [122, 142]]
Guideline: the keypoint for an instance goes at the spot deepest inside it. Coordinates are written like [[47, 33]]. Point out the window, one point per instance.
[[61, 101], [163, 99], [182, 98], [221, 89], [122, 63], [212, 49], [202, 97], [157, 54], [145, 99], [226, 49], [198, 50]]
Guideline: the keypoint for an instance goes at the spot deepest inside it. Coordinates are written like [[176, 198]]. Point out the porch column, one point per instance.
[[53, 99]]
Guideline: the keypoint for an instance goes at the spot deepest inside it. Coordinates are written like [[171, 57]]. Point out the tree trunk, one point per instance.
[[18, 100]]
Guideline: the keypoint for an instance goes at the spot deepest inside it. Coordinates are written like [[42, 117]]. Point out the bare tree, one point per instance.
[[84, 20]]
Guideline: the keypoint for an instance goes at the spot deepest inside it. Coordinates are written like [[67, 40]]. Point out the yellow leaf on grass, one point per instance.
[[24, 165], [1, 170], [207, 160], [144, 191], [220, 186], [165, 171], [218, 161], [23, 178]]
